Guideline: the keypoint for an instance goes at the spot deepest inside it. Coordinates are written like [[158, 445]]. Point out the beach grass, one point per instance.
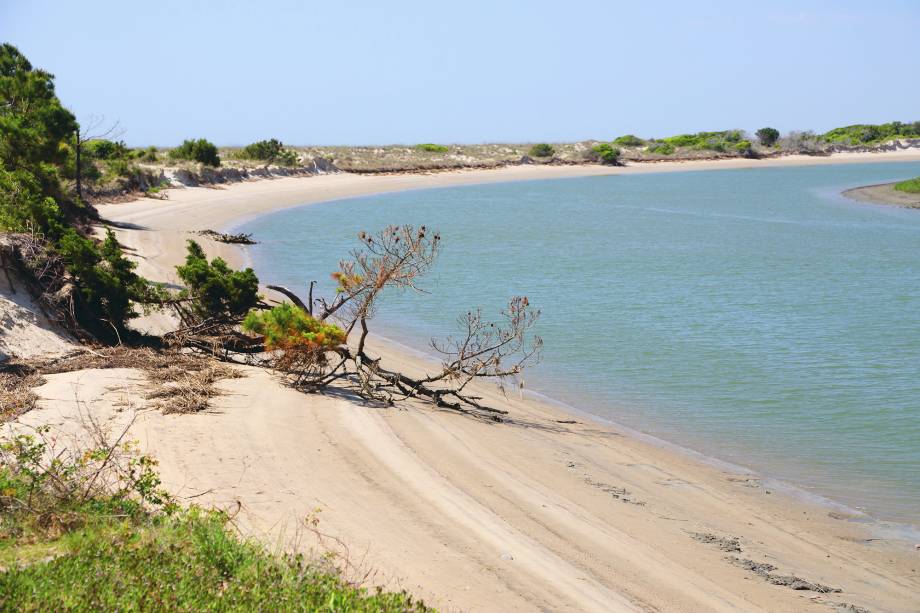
[[186, 562], [911, 186], [72, 540]]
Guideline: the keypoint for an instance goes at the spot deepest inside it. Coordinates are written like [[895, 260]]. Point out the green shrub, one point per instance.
[[264, 150], [767, 136], [713, 141], [289, 327], [23, 205], [147, 155], [199, 150], [432, 148], [744, 147], [628, 140], [661, 148], [607, 153], [105, 280], [216, 291], [102, 149], [864, 134], [288, 157], [269, 151], [120, 167], [542, 150], [911, 186], [36, 150]]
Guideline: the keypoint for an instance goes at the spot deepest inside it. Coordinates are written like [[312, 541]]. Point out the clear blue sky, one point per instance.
[[375, 72]]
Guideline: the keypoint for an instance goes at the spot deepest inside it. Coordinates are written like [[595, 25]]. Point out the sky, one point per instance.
[[374, 72]]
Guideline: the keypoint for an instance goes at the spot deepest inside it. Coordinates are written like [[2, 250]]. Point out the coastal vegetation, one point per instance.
[[628, 140], [727, 140], [542, 150], [213, 290], [201, 150], [607, 153], [767, 136], [432, 148], [867, 134], [271, 151], [88, 283], [92, 530], [307, 339], [911, 186]]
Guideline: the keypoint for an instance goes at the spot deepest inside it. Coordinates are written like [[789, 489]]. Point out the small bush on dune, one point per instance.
[[271, 151], [432, 148], [744, 147], [767, 136], [148, 155], [102, 149], [105, 280], [628, 140], [214, 290], [265, 150], [661, 148], [864, 134], [607, 153], [542, 150], [199, 150]]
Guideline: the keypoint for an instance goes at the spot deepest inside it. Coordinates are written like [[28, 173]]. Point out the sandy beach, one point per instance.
[[548, 512], [884, 194]]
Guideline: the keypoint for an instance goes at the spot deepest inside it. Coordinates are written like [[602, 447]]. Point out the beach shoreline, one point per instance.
[[885, 194], [545, 513]]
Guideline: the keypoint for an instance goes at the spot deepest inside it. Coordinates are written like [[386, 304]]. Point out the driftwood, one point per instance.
[[396, 257], [236, 239]]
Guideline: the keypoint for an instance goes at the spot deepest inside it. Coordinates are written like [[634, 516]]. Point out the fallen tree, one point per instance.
[[309, 340]]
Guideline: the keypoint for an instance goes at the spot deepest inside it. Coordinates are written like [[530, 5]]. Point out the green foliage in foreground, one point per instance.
[[911, 186], [189, 562], [200, 150], [67, 546], [607, 153], [215, 289], [542, 150], [432, 148], [865, 134]]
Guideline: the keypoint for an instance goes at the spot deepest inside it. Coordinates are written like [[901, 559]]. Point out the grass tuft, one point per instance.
[[911, 186]]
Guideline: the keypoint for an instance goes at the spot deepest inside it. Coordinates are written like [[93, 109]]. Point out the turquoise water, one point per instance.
[[753, 315]]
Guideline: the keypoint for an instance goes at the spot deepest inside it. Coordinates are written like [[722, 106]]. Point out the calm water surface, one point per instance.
[[754, 315]]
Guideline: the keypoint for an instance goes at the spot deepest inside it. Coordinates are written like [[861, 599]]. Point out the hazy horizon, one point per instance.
[[523, 72]]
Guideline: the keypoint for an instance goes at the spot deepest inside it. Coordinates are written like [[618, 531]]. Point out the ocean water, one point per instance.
[[756, 316]]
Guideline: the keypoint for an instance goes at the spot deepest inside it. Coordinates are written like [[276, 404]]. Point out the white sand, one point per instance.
[[524, 516]]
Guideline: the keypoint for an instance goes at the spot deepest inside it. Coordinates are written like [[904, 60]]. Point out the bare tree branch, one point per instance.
[[397, 257]]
